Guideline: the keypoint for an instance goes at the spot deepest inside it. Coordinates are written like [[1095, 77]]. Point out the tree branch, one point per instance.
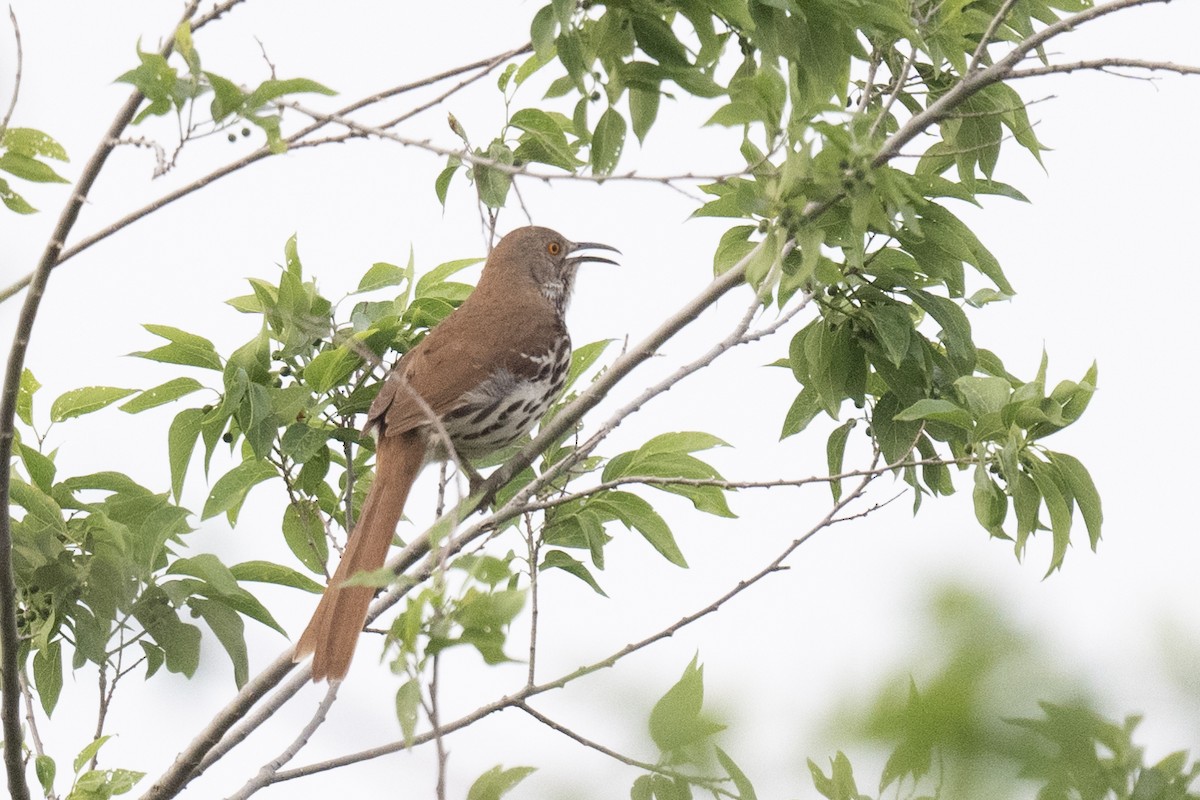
[[1105, 64], [268, 772], [9, 670], [12, 104]]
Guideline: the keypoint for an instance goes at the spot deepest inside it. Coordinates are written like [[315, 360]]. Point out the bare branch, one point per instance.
[[1106, 64], [268, 772], [901, 78], [775, 483], [361, 129], [613, 754], [12, 104]]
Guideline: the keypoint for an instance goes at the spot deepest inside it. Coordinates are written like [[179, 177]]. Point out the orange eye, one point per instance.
[[554, 248]]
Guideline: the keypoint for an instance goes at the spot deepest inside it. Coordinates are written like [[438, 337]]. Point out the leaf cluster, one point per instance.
[[179, 89]]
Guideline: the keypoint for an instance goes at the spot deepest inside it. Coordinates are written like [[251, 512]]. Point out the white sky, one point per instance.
[[1101, 260]]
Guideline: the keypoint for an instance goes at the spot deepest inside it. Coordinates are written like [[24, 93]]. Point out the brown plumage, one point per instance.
[[488, 372]]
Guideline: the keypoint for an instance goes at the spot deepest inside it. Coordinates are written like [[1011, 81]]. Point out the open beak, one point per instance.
[[577, 246]]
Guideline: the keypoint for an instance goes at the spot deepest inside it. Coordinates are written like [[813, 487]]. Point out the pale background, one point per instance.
[[1104, 262]]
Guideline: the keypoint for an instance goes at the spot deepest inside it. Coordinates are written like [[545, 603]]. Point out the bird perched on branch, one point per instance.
[[481, 378]]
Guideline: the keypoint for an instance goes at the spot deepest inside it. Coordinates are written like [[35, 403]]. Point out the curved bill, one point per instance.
[[577, 246]]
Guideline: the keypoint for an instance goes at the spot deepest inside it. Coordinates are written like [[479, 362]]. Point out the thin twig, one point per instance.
[[993, 26], [896, 90], [469, 157], [1104, 64], [439, 739], [599, 748], [39, 749], [267, 773], [655, 480], [12, 104], [533, 545]]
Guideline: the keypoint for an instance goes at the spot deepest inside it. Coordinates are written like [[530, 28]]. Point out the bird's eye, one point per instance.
[[554, 248]]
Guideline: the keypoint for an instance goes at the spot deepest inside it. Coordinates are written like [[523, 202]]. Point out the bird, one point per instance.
[[487, 373]]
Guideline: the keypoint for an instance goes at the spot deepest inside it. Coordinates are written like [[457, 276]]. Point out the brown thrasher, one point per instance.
[[488, 372]]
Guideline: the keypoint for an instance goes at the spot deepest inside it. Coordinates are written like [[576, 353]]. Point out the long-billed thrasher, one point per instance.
[[488, 372]]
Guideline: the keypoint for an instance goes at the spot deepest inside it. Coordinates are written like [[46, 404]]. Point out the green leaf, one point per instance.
[[14, 201], [496, 782], [161, 395], [47, 675], [181, 441], [557, 559], [408, 703], [209, 569], [382, 274], [991, 505], [491, 183], [835, 451], [583, 357], [735, 245], [680, 442], [331, 368], [78, 402], [675, 720], [643, 110], [804, 409], [278, 574], [43, 516], [956, 330], [1054, 490], [1079, 481], [185, 348], [87, 753], [542, 30], [25, 392], [639, 515], [230, 631], [607, 141], [231, 489], [441, 186], [28, 168], [983, 394], [228, 98], [657, 40], [304, 533], [273, 89], [45, 768], [936, 409], [155, 79], [745, 791], [40, 468], [544, 140], [32, 142]]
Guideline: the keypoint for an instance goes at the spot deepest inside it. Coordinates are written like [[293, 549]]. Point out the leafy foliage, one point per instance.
[[21, 154], [168, 88], [955, 734]]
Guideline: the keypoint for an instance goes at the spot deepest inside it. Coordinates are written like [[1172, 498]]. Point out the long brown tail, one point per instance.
[[333, 631]]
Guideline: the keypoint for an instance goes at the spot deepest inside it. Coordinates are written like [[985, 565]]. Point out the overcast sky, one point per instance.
[[1103, 260]]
